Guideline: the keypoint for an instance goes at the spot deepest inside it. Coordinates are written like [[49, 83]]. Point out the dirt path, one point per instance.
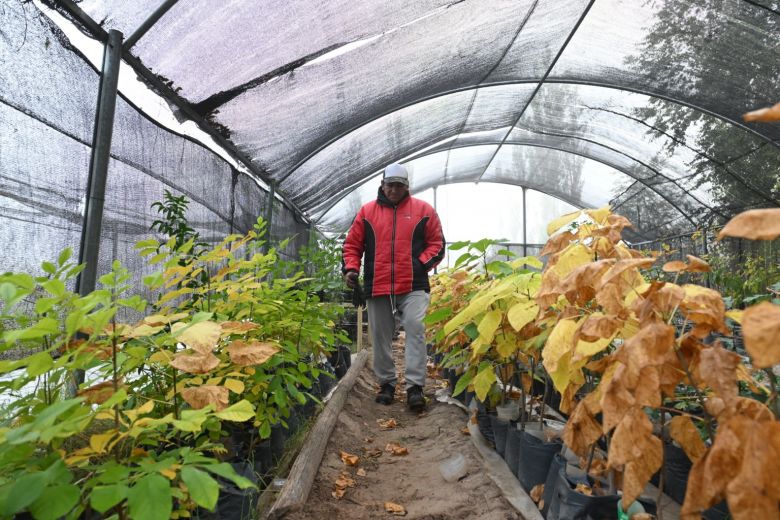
[[412, 480]]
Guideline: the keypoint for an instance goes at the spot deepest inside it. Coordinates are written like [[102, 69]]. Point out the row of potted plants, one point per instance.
[[226, 355], [635, 360]]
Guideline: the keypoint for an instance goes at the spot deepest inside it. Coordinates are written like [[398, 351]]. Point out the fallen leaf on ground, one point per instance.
[[387, 424], [342, 483], [373, 453], [536, 492], [348, 458], [465, 431], [368, 440], [584, 489], [361, 472], [396, 449], [540, 505], [396, 509]]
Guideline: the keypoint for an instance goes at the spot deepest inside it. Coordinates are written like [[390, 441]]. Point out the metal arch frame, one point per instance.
[[100, 34], [553, 81], [352, 187], [576, 204]]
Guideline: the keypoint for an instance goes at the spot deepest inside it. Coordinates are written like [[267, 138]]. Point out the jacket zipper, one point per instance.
[[392, 261]]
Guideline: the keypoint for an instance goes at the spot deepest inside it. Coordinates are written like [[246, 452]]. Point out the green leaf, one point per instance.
[[42, 328], [458, 245], [39, 363], [20, 493], [438, 315], [239, 412], [54, 287], [55, 502], [104, 498], [471, 331], [463, 383], [499, 267], [225, 470], [49, 267], [64, 256], [150, 498], [204, 490]]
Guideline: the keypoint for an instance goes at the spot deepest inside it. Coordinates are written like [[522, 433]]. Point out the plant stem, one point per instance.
[[175, 397], [590, 458], [772, 401], [544, 398], [699, 396]]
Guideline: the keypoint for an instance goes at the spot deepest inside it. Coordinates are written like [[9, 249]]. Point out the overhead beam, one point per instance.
[[148, 23]]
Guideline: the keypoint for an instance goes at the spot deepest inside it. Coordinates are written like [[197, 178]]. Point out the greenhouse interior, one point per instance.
[[185, 184]]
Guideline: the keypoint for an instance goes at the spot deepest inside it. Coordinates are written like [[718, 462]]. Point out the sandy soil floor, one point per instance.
[[412, 481]]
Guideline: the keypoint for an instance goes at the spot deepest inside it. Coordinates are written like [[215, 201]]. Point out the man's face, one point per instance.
[[394, 191]]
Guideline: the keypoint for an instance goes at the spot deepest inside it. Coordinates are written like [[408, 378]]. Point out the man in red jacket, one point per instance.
[[402, 240]]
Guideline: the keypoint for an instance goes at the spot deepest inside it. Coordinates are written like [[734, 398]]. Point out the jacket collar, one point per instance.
[[383, 200]]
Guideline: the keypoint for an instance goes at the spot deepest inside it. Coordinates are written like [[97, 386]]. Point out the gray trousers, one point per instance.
[[413, 307]]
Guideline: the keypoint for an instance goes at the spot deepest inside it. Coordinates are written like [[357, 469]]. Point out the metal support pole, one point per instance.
[[436, 209], [525, 225], [98, 168], [148, 23], [269, 214]]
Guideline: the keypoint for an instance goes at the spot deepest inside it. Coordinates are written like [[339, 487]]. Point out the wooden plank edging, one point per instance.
[[296, 488]]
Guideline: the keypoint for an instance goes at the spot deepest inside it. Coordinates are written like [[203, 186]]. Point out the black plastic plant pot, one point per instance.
[[263, 459], [233, 503], [278, 440], [606, 507], [676, 468], [512, 449], [534, 459], [499, 428], [568, 504], [483, 423], [468, 396], [551, 481], [341, 360]]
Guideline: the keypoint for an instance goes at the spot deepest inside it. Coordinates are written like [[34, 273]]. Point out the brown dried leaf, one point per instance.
[[251, 353], [754, 224], [99, 393], [682, 430], [584, 489], [201, 337], [387, 424], [373, 453], [718, 369], [675, 266], [635, 447], [396, 449], [581, 430], [761, 330], [536, 492], [201, 396], [465, 431], [597, 326], [396, 509], [361, 472], [349, 459], [763, 115], [343, 482], [195, 363], [237, 327]]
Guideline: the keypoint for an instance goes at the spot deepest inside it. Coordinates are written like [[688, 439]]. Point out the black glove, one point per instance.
[[358, 298]]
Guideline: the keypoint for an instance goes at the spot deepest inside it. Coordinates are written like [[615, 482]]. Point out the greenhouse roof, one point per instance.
[[634, 103]]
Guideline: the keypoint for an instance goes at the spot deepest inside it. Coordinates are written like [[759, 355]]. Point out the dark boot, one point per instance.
[[386, 394], [415, 398]]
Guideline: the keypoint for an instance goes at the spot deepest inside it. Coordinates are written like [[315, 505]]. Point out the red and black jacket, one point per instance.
[[401, 244]]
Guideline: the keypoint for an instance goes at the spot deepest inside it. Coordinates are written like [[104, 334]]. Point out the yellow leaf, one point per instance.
[[488, 325], [526, 260], [521, 314], [162, 356], [559, 222], [483, 381], [506, 345], [599, 215], [736, 315], [99, 441], [571, 258], [234, 385], [143, 330], [588, 348], [202, 336], [559, 343]]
